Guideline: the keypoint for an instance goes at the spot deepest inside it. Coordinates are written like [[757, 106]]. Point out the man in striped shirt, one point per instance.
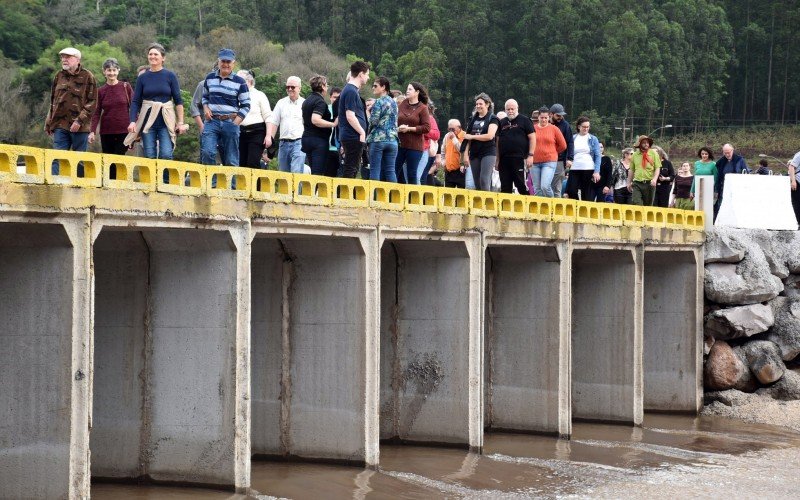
[[226, 101]]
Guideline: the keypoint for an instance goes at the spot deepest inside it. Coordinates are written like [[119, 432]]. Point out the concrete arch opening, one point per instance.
[[606, 335], [309, 349], [165, 356], [526, 340], [36, 326], [430, 360], [672, 339]]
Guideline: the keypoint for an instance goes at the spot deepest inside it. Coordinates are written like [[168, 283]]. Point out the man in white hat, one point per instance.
[[73, 99]]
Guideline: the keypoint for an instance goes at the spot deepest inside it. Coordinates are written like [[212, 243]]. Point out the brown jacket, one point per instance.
[[413, 115], [72, 98]]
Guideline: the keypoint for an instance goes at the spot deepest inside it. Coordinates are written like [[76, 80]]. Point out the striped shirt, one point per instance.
[[226, 95]]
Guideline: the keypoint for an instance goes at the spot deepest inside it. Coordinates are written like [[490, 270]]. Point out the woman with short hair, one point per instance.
[[705, 166], [382, 137], [619, 178], [317, 126], [253, 129], [113, 106]]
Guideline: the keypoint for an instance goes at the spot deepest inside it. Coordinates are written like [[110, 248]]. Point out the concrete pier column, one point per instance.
[[673, 335], [169, 394], [607, 335], [44, 358], [314, 347], [527, 339], [431, 355]]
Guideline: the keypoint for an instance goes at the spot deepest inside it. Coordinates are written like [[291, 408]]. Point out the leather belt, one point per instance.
[[230, 116]]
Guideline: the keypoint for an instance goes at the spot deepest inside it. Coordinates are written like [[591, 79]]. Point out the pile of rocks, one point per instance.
[[752, 314]]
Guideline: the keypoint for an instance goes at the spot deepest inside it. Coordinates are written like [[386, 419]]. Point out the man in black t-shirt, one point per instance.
[[516, 142]]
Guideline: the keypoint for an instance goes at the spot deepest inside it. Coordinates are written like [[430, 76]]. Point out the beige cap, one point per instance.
[[71, 51]]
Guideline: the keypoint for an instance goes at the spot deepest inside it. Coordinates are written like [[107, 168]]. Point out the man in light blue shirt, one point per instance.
[[226, 101]]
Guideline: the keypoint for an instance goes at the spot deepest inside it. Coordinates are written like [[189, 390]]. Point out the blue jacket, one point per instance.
[[737, 165], [594, 150]]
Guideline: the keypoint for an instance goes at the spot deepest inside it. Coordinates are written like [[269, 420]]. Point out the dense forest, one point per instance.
[[691, 64]]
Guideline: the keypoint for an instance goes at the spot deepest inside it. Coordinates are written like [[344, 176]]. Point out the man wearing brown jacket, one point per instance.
[[73, 99]]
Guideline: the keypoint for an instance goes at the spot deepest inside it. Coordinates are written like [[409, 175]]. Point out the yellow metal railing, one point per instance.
[[27, 165]]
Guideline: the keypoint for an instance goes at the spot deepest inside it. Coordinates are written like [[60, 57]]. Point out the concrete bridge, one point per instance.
[[173, 330]]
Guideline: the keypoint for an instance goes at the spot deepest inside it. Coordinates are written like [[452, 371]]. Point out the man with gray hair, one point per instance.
[[516, 143], [73, 99], [254, 126], [730, 163], [288, 115], [226, 101]]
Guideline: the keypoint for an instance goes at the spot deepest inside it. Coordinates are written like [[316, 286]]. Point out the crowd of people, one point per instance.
[[392, 137]]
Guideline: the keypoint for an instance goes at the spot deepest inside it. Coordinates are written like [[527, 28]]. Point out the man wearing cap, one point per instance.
[[73, 99], [565, 157], [643, 173], [226, 101], [288, 115]]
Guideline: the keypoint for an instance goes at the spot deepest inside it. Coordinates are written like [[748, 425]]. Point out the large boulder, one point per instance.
[[786, 330], [791, 286], [725, 369], [764, 360], [785, 389], [721, 246], [748, 282], [783, 252], [742, 321]]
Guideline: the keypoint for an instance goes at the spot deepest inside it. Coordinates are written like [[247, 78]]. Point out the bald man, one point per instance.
[[516, 143], [730, 163], [451, 144]]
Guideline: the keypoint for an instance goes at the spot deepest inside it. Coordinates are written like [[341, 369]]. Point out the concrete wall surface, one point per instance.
[[173, 330], [672, 378], [428, 308], [523, 338], [36, 299], [606, 335], [309, 337]]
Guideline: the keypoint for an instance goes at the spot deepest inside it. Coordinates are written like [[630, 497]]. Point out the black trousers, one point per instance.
[[580, 180], [352, 158], [112, 144], [796, 204], [332, 167], [251, 144], [454, 179], [512, 173], [662, 195], [623, 196]]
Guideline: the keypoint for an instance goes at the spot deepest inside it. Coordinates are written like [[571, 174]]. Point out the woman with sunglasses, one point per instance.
[[382, 138]]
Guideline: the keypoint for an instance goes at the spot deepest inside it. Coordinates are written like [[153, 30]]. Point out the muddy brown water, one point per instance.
[[669, 456]]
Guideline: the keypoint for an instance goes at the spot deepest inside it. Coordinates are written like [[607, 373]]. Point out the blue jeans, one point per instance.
[[316, 150], [411, 158], [158, 132], [65, 140], [542, 174], [422, 169], [291, 157], [382, 156], [222, 134]]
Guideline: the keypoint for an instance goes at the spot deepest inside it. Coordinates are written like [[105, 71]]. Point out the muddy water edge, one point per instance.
[[707, 457]]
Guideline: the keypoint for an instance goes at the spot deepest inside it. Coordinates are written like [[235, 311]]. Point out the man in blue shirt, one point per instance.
[[226, 101], [353, 119]]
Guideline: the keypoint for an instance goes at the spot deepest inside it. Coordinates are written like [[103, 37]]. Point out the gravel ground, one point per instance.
[[757, 409]]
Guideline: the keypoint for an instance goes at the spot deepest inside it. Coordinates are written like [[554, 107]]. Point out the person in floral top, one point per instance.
[[382, 138]]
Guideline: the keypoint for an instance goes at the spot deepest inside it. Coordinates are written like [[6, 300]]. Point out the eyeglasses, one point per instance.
[[291, 87], [451, 130]]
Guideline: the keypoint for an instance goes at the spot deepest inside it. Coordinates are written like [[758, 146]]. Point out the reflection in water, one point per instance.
[[669, 456]]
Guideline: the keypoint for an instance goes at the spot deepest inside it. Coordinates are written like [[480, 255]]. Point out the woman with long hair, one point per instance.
[[413, 122], [480, 147]]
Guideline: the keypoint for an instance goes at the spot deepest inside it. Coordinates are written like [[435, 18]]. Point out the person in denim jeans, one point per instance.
[[288, 116], [382, 138], [153, 115], [226, 101], [73, 100], [549, 143]]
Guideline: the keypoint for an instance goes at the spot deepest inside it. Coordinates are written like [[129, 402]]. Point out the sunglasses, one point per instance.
[[291, 87]]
